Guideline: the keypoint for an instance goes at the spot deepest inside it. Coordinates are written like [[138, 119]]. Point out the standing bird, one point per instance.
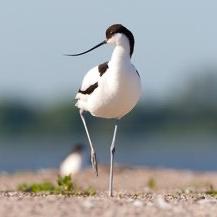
[[111, 89]]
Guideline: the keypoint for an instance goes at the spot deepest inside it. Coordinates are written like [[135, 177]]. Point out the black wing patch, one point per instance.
[[89, 90], [102, 68]]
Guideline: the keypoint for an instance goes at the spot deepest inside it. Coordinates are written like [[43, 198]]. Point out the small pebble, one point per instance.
[[88, 204], [149, 203], [138, 203], [161, 203]]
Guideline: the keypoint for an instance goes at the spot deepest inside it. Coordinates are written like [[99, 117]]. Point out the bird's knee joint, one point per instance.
[[112, 150]]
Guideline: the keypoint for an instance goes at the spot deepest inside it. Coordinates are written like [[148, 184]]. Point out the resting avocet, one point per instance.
[[111, 89], [74, 162]]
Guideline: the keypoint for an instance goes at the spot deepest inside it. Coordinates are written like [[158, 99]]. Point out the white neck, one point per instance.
[[121, 52]]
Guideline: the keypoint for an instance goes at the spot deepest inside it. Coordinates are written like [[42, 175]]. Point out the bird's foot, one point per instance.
[[94, 162]]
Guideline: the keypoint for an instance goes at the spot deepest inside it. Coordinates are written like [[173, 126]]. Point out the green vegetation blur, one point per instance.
[[193, 109]]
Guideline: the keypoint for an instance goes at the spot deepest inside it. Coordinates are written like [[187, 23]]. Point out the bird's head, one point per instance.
[[78, 147], [119, 35], [116, 34]]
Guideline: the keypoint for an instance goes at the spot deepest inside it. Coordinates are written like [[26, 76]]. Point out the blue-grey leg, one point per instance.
[[112, 152], [93, 153]]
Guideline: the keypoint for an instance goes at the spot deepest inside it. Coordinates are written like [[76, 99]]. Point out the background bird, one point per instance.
[[111, 89], [74, 162]]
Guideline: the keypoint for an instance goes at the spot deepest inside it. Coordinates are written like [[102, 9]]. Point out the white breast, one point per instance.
[[118, 92], [71, 165]]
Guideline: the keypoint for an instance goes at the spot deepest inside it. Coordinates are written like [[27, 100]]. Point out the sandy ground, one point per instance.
[[177, 193]]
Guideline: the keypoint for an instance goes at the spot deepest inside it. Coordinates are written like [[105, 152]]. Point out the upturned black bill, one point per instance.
[[98, 45]]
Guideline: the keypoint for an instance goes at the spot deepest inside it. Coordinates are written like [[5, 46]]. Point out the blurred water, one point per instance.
[[188, 151]]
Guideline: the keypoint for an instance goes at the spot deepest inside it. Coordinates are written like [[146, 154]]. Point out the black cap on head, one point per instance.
[[78, 148], [118, 28]]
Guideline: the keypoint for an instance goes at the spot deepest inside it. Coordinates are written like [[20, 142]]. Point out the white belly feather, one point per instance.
[[117, 93]]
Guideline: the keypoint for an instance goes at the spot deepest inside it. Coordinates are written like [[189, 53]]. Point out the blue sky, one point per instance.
[[172, 39]]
